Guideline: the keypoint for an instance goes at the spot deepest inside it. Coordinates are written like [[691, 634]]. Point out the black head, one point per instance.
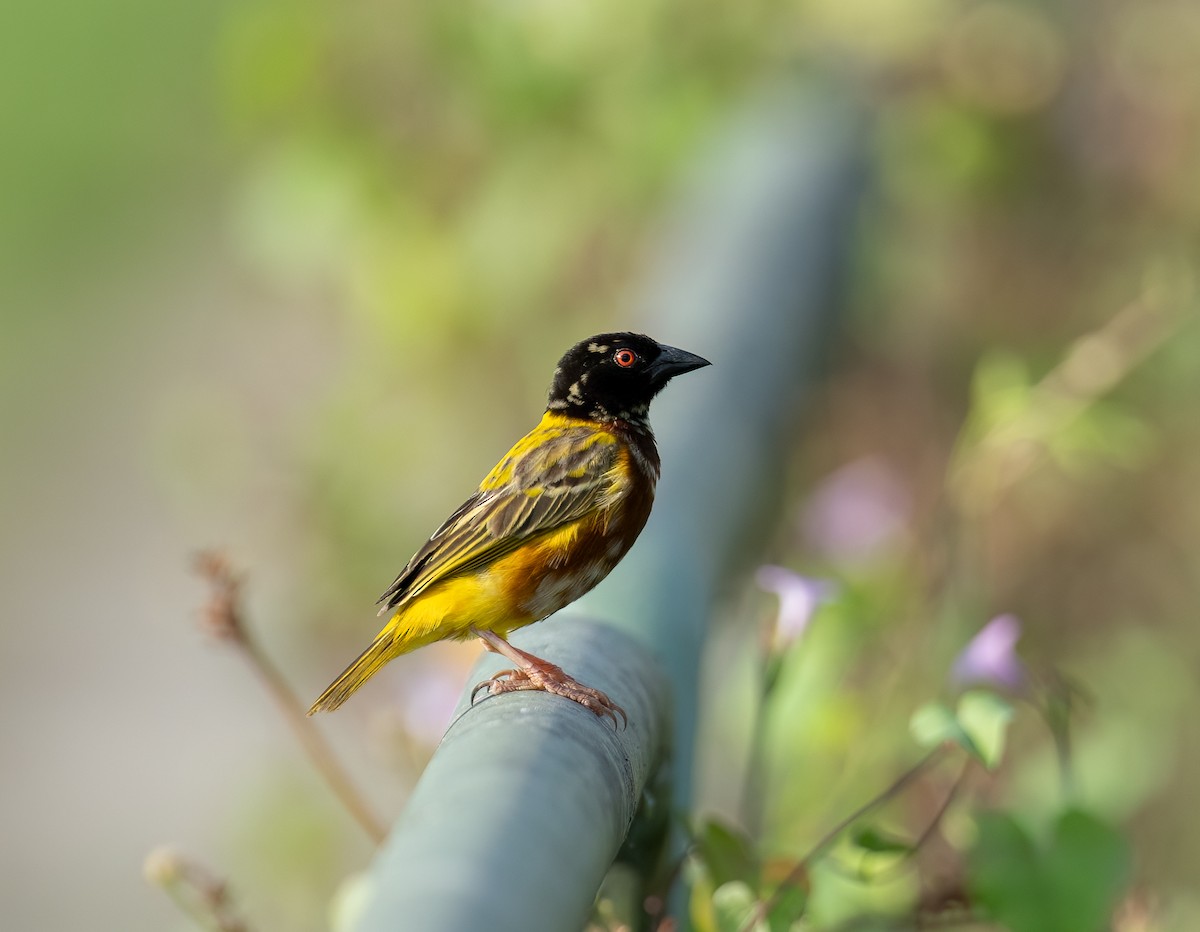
[[613, 376]]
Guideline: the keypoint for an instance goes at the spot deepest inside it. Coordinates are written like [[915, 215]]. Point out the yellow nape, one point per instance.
[[551, 426]]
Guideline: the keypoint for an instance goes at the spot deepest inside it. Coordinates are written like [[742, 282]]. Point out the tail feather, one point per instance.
[[382, 649]]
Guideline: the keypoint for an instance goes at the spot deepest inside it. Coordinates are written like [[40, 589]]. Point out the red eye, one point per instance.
[[625, 358]]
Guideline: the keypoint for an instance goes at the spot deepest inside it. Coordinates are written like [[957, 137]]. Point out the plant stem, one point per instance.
[[197, 892], [225, 620], [319, 752], [764, 907]]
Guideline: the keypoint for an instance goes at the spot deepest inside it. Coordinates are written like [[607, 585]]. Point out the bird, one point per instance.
[[550, 521]]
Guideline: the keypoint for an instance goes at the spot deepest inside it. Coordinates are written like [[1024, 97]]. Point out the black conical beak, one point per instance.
[[673, 361]]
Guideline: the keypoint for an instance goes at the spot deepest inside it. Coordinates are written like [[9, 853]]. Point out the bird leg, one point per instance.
[[532, 672]]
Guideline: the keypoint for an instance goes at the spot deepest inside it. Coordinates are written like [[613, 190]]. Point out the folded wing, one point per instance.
[[550, 478]]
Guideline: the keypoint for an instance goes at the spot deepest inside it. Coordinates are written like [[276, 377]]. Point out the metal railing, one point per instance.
[[527, 800]]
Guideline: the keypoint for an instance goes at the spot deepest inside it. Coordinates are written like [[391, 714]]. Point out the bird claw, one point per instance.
[[553, 680], [491, 684]]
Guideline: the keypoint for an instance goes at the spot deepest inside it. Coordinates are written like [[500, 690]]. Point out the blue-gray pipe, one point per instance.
[[527, 800]]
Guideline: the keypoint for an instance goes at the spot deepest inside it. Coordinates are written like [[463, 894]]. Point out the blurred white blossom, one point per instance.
[[990, 658], [799, 597]]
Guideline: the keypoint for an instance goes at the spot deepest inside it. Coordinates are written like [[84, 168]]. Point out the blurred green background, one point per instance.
[[287, 277]]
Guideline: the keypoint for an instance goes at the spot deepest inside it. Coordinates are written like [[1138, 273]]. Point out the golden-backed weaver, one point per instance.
[[551, 520]]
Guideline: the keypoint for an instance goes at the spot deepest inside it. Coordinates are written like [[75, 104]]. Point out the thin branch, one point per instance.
[[955, 789], [1091, 367], [928, 831], [964, 918], [764, 907], [223, 618], [199, 893], [1060, 701]]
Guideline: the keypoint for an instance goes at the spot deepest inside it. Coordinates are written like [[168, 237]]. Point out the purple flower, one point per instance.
[[990, 658], [799, 597], [857, 511]]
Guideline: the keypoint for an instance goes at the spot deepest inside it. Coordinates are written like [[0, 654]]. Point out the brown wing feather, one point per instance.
[[549, 483]]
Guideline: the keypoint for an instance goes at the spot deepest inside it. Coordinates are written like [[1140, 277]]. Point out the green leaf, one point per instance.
[[869, 853], [877, 841], [1089, 865], [979, 727], [933, 724], [733, 903], [789, 906], [1005, 874], [727, 853], [984, 717], [1071, 885]]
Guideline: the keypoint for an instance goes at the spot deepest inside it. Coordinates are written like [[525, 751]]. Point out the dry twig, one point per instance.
[[197, 891], [223, 619]]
